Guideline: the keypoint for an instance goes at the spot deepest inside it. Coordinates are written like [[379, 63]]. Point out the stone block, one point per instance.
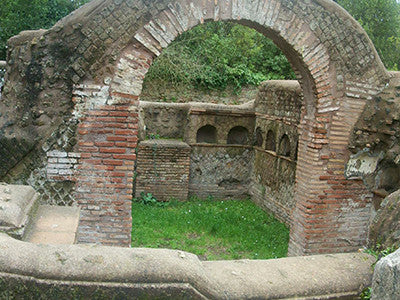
[[386, 280], [17, 202], [385, 228]]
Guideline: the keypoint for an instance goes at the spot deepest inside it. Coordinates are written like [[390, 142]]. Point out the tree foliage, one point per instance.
[[381, 21], [216, 55], [19, 15]]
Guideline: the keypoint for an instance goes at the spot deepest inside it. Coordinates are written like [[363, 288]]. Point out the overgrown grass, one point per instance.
[[213, 230]]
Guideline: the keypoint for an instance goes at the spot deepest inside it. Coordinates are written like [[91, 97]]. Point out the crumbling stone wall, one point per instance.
[[54, 180], [375, 144], [278, 109], [220, 172], [385, 228], [162, 120]]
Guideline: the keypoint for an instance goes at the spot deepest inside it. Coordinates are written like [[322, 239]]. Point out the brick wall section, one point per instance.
[[163, 169], [62, 165], [107, 138], [107, 141]]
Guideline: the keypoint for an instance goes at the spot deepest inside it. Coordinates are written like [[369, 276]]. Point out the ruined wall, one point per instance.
[[216, 168], [375, 144], [163, 169], [221, 161], [220, 172], [162, 120], [278, 108]]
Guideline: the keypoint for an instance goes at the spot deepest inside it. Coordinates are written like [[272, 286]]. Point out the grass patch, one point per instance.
[[213, 230]]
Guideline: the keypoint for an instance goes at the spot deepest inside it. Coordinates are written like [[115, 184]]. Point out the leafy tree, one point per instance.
[[216, 55], [381, 21], [19, 15]]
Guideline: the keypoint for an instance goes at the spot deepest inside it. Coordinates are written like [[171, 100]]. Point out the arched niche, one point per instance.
[[270, 141], [238, 135], [284, 146], [258, 139], [207, 134]]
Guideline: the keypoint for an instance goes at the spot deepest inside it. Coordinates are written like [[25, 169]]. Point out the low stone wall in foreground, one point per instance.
[[99, 272]]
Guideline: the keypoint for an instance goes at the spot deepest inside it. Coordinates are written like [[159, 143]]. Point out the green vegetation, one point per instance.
[[381, 21], [379, 252], [366, 294], [226, 56], [218, 55], [19, 15], [211, 229]]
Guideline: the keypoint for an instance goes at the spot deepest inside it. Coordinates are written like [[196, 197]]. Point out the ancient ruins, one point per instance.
[[321, 152]]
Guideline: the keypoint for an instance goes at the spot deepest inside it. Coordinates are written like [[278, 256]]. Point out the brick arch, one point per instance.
[[334, 60]]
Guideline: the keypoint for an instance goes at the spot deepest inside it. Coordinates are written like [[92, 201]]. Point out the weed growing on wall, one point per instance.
[[149, 199], [379, 252]]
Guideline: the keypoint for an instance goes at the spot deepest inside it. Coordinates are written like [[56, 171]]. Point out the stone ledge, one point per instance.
[[164, 143], [173, 274]]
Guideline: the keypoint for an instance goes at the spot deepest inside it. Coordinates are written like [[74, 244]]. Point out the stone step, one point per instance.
[[55, 225], [18, 204]]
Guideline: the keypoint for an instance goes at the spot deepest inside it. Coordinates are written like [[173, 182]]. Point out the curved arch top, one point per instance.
[[308, 26]]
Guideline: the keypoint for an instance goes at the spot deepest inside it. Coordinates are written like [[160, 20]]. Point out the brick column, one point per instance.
[[332, 212], [107, 139]]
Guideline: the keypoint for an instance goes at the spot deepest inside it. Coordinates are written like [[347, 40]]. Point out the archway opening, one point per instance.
[[220, 135], [320, 67]]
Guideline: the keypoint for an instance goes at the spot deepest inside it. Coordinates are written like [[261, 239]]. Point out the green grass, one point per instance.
[[214, 230]]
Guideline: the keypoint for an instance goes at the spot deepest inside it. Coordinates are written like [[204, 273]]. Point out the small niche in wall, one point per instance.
[[207, 134], [284, 146], [258, 138], [238, 135], [270, 143]]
